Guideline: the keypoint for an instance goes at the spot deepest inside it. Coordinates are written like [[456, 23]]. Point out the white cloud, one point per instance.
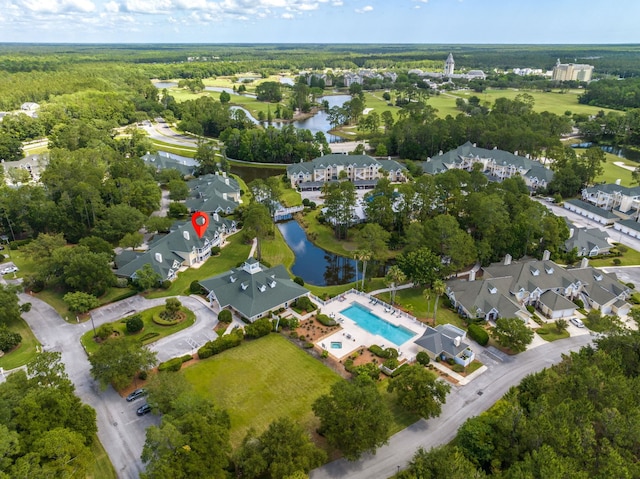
[[337, 3], [287, 16], [364, 9], [147, 6], [112, 7], [59, 6]]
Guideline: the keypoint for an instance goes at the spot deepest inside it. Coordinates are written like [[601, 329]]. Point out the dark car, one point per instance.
[[144, 409], [138, 393]]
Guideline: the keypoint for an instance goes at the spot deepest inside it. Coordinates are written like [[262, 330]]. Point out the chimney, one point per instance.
[[507, 259], [515, 152], [226, 181], [571, 231], [584, 263], [472, 275], [456, 341], [546, 255]]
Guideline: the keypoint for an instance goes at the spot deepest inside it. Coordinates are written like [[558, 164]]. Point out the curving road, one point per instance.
[[120, 430], [462, 403]]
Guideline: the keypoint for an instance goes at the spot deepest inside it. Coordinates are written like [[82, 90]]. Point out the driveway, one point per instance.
[[120, 430], [462, 403]]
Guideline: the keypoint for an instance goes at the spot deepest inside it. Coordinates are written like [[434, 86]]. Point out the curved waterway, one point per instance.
[[313, 264]]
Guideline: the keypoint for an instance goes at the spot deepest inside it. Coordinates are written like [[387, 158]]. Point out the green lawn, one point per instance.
[[189, 152], [401, 417], [102, 467], [25, 352], [630, 257], [553, 101], [261, 381], [613, 172], [323, 236], [149, 327], [232, 254], [551, 333], [276, 251], [290, 197], [412, 300]]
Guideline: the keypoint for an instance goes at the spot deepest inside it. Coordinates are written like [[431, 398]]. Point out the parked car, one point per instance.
[[138, 393], [9, 269], [577, 322], [144, 409]]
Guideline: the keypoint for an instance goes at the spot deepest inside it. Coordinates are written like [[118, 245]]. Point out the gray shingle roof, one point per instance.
[[556, 302], [256, 292], [163, 160], [441, 339], [592, 209], [586, 240]]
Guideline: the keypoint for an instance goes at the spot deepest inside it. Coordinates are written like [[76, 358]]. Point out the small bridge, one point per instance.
[[284, 214]]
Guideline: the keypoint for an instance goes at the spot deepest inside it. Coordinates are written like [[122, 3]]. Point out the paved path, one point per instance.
[[120, 430], [462, 403]]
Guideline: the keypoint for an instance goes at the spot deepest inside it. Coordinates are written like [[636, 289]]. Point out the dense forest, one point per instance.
[[579, 419], [617, 94]]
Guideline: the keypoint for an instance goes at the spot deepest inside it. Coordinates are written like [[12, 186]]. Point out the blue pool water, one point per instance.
[[336, 344], [376, 325]]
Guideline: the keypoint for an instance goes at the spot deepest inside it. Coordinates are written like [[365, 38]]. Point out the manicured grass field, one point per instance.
[[323, 236], [189, 152], [149, 327], [276, 251], [551, 333], [553, 101], [412, 300], [290, 197], [102, 467], [260, 381], [25, 352], [630, 257], [614, 172], [232, 254]]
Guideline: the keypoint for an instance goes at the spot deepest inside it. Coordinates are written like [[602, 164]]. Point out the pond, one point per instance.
[[313, 264], [625, 153], [165, 84], [249, 173]]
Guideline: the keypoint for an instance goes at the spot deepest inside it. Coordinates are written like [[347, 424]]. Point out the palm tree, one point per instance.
[[439, 288], [427, 294], [394, 277], [365, 255]]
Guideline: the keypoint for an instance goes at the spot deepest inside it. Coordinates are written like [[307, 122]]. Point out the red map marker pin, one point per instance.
[[200, 221]]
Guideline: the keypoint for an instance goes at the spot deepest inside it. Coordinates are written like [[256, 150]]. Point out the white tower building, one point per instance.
[[449, 66]]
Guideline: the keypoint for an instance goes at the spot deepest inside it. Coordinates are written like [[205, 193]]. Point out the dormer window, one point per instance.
[[493, 289], [597, 277], [244, 286], [535, 271], [272, 284], [549, 269], [262, 288], [232, 279]]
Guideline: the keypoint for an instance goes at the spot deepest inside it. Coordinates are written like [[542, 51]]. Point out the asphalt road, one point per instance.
[[462, 403], [120, 430]]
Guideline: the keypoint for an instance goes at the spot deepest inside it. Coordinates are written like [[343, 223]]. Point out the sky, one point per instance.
[[320, 21]]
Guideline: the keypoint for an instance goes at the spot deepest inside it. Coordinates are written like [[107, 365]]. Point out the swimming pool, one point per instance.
[[368, 321]]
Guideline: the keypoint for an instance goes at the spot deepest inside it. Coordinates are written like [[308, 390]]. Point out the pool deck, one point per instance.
[[354, 337]]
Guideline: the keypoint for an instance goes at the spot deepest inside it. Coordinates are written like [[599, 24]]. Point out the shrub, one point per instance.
[[399, 370], [631, 286], [293, 335], [389, 353], [225, 316], [325, 320], [215, 250], [258, 328], [458, 368], [391, 363], [423, 358], [531, 309], [369, 369], [122, 283], [220, 344], [148, 336], [478, 334], [298, 280], [579, 303], [196, 288], [185, 358], [617, 261], [173, 364], [303, 303], [104, 331], [8, 338], [307, 345], [135, 324]]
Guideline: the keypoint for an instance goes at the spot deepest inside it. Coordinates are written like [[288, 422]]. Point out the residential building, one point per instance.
[[591, 212], [163, 160], [362, 170], [181, 248], [623, 201], [496, 164], [446, 341], [572, 71], [253, 290], [587, 241], [213, 193], [507, 288]]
